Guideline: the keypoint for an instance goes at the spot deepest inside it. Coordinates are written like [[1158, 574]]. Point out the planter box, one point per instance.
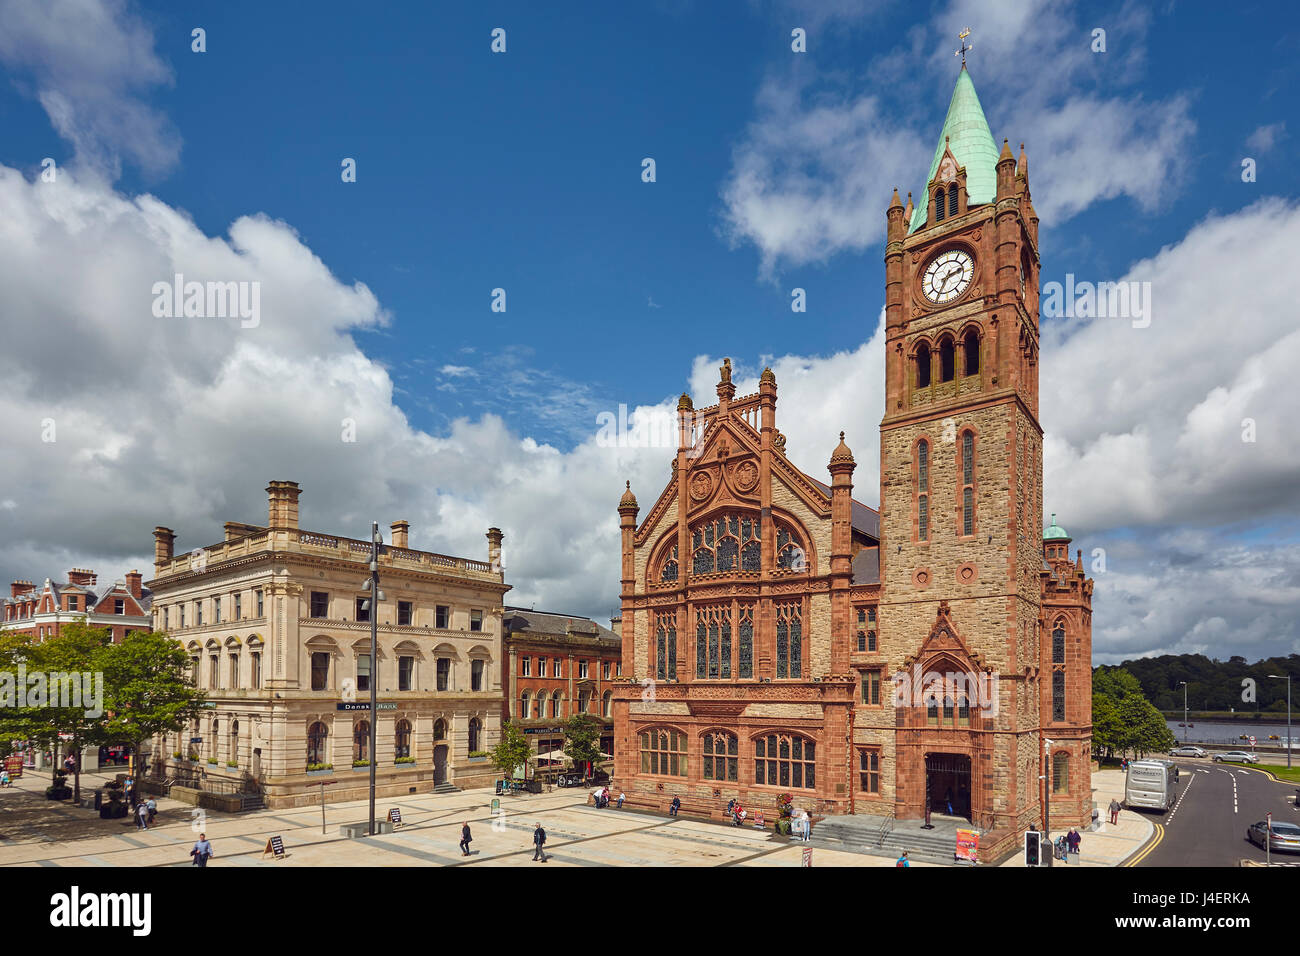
[[320, 773]]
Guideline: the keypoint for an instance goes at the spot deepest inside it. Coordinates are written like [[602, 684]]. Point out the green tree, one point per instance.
[[582, 738], [77, 653], [513, 750], [147, 689]]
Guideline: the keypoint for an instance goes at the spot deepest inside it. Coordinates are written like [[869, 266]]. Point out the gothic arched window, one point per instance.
[[1060, 773], [923, 490], [713, 642], [475, 734], [1058, 695], [663, 751], [923, 366], [721, 756], [666, 646], [669, 571], [967, 483], [947, 357], [785, 760], [971, 352], [1058, 644], [789, 640], [746, 649]]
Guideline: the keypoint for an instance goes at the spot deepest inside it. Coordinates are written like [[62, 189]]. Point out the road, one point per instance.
[[1207, 826]]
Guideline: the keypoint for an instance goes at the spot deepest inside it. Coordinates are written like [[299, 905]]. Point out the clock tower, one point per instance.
[[961, 548]]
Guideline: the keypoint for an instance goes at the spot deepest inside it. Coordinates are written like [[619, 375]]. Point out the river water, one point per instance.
[[1228, 732]]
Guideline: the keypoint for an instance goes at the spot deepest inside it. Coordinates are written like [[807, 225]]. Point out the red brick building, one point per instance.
[[780, 636], [559, 665], [42, 611]]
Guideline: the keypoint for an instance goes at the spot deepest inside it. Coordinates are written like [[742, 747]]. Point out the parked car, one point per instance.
[[1285, 836], [1187, 751], [1235, 756]]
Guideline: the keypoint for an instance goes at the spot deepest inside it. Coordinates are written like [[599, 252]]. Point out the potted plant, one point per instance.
[[212, 761], [405, 760], [232, 764], [358, 764], [176, 755], [478, 755], [319, 768], [59, 790]]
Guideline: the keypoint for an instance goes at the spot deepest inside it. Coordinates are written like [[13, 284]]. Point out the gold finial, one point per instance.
[[964, 48]]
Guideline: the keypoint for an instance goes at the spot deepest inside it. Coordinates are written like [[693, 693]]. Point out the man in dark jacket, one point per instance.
[[539, 838], [674, 806], [464, 839]]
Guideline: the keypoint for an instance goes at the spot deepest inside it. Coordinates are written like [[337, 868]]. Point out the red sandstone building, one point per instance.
[[559, 665], [41, 612], [781, 637]]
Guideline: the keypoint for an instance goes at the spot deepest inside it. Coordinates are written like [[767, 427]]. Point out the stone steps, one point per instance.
[[863, 835], [446, 788]]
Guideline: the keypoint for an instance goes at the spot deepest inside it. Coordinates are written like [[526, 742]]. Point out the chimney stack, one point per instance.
[[20, 587], [134, 585], [494, 537], [82, 577], [616, 625], [401, 534], [164, 540], [282, 504]]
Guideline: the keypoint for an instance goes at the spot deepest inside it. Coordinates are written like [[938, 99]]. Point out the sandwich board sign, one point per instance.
[[275, 846], [395, 817]]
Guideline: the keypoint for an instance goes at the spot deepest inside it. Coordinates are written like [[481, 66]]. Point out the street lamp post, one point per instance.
[[1184, 683], [374, 659], [1287, 678], [1047, 801]]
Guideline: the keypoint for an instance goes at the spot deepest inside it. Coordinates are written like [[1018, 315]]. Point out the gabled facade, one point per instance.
[[740, 589], [41, 612]]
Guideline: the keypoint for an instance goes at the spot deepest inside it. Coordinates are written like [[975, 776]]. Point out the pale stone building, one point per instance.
[[274, 622]]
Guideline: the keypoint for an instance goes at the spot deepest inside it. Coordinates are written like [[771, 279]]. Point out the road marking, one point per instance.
[[1179, 802], [1159, 836]]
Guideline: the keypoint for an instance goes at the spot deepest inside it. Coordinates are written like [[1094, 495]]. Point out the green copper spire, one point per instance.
[[966, 133], [1055, 532]]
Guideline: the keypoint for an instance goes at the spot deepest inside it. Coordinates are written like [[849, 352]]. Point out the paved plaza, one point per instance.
[[39, 832]]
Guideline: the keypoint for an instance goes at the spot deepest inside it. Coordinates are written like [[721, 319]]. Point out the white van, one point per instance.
[[1150, 785]]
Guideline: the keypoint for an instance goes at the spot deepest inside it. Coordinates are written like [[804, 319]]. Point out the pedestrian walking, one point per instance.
[[1074, 840], [805, 823], [902, 860], [202, 851], [674, 806], [1114, 811], [621, 797], [465, 839], [142, 817], [539, 840]]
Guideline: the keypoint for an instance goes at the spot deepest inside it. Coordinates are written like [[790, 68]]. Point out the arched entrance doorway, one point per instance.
[[947, 779], [439, 764]]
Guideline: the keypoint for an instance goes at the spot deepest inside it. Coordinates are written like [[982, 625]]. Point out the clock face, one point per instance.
[[947, 276]]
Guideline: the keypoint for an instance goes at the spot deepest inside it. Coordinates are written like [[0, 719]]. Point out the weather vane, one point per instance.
[[964, 48]]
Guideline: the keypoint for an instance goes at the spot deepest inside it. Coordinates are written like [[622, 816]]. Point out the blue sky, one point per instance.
[[522, 171]]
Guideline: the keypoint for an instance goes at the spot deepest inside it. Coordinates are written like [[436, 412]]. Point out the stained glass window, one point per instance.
[[721, 756], [663, 752], [968, 483], [923, 491], [786, 761], [751, 557], [1058, 695], [661, 658], [701, 650], [1058, 645], [746, 643], [728, 550]]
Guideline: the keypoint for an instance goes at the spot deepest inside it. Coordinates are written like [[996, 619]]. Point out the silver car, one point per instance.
[[1285, 836], [1187, 752], [1235, 756]]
